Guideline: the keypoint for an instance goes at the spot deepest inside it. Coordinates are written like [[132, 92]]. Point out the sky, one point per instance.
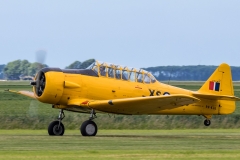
[[135, 33]]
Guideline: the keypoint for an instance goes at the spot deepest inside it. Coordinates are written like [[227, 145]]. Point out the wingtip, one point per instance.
[[7, 90]]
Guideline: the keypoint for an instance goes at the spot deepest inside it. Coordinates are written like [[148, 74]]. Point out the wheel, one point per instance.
[[88, 128], [54, 129], [207, 122]]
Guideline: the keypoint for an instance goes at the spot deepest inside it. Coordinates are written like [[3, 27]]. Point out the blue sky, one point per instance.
[[135, 33]]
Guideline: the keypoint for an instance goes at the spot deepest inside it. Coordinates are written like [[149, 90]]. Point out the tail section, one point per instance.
[[220, 82], [219, 89]]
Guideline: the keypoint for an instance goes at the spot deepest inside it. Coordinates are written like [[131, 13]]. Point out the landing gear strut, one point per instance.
[[89, 127], [56, 128], [207, 122]]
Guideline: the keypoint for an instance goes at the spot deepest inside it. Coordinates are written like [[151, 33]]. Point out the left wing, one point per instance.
[[25, 93], [142, 105]]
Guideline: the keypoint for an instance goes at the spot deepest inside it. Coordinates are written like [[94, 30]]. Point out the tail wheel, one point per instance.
[[56, 128], [88, 128], [207, 122]]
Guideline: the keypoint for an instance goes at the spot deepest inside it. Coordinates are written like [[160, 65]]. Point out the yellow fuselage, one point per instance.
[[64, 87]]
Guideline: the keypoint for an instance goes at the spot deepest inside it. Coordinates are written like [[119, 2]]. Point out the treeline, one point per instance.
[[188, 73], [80, 65], [19, 68], [23, 69]]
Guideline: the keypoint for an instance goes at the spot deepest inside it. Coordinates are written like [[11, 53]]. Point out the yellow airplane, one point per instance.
[[110, 88]]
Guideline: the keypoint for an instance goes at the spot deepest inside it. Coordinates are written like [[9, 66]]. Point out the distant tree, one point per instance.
[[182, 73], [79, 65], [74, 65], [2, 67], [24, 67], [86, 63], [13, 69], [1, 71]]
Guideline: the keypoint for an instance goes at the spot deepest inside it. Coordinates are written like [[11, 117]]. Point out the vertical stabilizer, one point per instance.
[[220, 82]]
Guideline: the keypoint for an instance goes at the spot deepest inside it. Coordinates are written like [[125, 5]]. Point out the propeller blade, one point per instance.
[[40, 58], [33, 109]]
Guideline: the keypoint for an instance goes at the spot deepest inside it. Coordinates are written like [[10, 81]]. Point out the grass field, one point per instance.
[[125, 142], [122, 144]]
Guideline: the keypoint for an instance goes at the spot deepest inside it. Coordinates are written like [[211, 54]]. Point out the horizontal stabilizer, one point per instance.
[[216, 97]]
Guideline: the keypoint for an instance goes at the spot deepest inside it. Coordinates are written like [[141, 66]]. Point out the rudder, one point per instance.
[[220, 82]]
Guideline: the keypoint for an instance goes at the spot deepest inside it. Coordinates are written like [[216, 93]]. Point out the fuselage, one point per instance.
[[102, 88], [63, 86]]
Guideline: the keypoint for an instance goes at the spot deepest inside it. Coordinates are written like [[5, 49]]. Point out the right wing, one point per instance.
[[142, 105], [137, 105]]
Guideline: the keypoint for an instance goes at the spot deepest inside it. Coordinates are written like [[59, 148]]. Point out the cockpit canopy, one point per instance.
[[122, 73]]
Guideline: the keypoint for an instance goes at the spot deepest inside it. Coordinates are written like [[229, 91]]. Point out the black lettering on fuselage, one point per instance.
[[158, 93], [151, 92]]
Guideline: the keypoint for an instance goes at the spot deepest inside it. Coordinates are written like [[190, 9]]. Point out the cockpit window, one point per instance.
[[139, 77], [118, 73], [146, 78], [111, 72], [102, 70], [125, 75], [153, 80], [95, 69], [92, 65], [132, 76]]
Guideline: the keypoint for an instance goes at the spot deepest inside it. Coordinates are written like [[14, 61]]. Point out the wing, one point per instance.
[[142, 105], [25, 93], [216, 97]]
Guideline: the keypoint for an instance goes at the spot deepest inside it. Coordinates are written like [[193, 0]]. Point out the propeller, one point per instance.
[[33, 109], [39, 83], [40, 58], [40, 79]]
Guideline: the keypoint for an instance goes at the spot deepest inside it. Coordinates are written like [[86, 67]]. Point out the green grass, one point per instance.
[[121, 144], [162, 143]]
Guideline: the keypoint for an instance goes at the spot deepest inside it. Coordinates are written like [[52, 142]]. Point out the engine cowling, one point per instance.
[[48, 85]]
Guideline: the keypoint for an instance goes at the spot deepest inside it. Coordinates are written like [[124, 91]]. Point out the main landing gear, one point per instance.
[[88, 128], [207, 122]]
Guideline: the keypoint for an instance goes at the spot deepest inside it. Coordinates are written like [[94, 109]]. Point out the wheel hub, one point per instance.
[[90, 129], [57, 130]]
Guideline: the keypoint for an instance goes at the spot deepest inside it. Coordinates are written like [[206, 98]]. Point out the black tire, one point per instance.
[[88, 128], [207, 122], [54, 130]]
